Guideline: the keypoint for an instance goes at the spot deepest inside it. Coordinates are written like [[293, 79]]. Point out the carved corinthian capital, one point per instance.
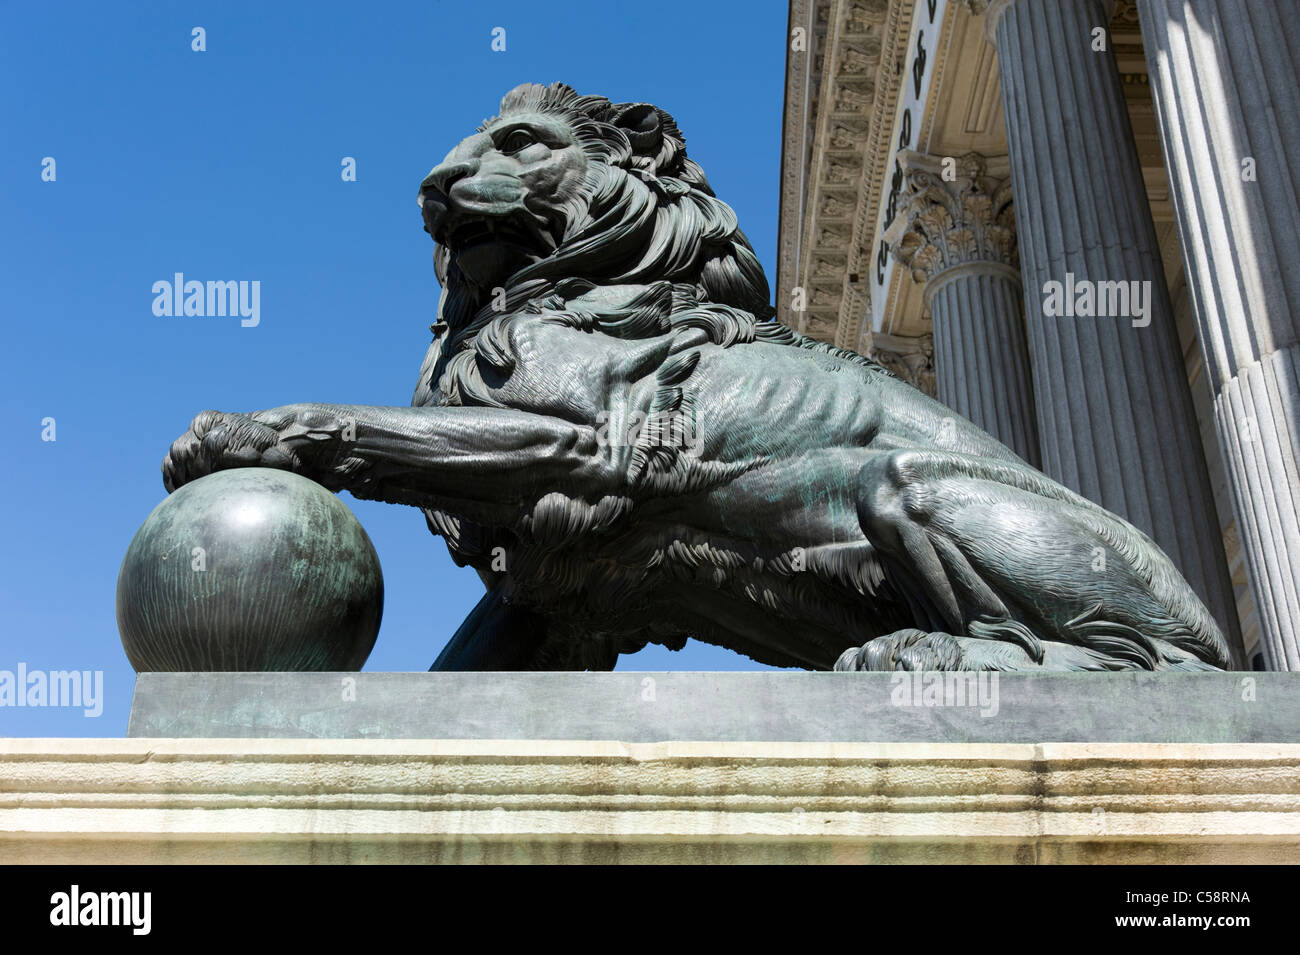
[[952, 212]]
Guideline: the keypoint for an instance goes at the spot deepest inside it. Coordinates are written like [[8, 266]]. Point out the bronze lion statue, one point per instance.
[[611, 430]]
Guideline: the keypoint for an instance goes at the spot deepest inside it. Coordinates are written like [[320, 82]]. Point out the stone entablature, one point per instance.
[[839, 112]]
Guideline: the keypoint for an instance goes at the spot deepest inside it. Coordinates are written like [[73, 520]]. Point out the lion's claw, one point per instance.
[[217, 441]]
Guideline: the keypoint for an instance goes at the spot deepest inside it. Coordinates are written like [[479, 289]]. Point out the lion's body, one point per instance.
[[733, 505], [609, 429], [753, 536], [763, 537]]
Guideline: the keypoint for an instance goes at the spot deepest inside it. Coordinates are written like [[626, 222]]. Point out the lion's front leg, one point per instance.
[[417, 456]]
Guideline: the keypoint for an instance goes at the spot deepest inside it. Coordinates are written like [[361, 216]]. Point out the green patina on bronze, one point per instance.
[[610, 429], [250, 569]]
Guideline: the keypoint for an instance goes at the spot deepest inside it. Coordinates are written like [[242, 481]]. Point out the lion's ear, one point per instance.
[[640, 121]]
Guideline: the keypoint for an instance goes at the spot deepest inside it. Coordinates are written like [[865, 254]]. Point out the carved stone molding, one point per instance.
[[860, 251], [839, 97]]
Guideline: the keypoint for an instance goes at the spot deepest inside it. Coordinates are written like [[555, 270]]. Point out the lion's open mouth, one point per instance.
[[520, 230], [489, 248]]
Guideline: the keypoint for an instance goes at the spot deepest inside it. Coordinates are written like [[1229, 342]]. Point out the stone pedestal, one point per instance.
[[1223, 79], [1116, 417], [771, 706], [262, 802], [261, 768]]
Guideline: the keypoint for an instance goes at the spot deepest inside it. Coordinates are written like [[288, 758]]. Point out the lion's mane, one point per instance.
[[646, 212], [646, 216]]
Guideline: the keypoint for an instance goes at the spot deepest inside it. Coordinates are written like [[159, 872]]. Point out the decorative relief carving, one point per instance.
[[834, 208], [866, 15], [911, 358], [944, 222], [840, 172], [857, 61], [843, 138], [850, 100]]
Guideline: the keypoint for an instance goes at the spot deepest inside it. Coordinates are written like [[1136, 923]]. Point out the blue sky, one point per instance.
[[225, 164]]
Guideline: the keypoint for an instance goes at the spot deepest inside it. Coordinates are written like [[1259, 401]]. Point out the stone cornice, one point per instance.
[[889, 79], [854, 73], [794, 147], [826, 202]]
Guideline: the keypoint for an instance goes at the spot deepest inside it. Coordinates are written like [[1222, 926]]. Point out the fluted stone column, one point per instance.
[[1223, 77], [958, 236], [1115, 414]]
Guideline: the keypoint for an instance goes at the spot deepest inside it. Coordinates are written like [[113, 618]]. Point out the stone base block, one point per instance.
[[740, 706], [259, 801]]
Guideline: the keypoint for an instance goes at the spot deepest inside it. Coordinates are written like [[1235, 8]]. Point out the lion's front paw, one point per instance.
[[217, 441]]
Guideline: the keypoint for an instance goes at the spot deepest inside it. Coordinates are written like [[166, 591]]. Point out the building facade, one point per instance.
[[1073, 222]]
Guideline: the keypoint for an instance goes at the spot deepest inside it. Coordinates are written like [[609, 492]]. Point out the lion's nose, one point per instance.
[[444, 175]]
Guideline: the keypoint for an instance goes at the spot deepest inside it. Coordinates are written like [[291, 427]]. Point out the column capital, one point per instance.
[[992, 11], [952, 213]]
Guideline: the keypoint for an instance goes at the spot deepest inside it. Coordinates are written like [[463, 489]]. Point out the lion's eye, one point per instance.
[[517, 140]]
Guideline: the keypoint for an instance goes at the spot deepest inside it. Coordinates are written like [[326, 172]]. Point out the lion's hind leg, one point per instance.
[[898, 500], [1005, 569]]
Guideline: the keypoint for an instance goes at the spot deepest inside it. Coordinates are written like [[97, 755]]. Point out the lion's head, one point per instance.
[[560, 185]]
